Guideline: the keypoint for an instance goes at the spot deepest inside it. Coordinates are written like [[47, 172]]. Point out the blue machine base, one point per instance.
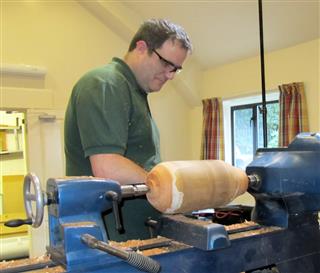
[[290, 250]]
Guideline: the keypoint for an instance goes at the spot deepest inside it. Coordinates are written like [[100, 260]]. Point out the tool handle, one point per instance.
[[137, 260], [18, 222]]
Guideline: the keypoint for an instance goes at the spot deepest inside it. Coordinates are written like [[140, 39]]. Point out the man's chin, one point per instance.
[[153, 90]]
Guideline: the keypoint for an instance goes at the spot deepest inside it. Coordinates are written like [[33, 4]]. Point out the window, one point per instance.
[[243, 128], [247, 131]]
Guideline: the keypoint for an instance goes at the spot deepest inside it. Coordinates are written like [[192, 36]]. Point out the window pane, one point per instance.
[[272, 125], [243, 137]]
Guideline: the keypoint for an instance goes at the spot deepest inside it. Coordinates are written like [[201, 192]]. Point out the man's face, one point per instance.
[[162, 65]]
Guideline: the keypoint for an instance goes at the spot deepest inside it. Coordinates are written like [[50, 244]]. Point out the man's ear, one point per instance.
[[141, 46]]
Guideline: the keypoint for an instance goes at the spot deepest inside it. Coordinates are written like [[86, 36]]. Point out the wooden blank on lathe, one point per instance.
[[185, 186]]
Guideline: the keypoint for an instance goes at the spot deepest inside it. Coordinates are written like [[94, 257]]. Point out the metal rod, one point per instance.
[[158, 244], [133, 190], [263, 87], [92, 242]]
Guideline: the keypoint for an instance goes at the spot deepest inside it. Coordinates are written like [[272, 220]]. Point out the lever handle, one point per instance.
[[18, 222], [153, 227], [114, 197]]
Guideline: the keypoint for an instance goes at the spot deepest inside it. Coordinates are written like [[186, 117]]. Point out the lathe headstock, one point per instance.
[[288, 191]]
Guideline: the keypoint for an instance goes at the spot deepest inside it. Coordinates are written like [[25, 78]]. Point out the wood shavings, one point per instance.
[[32, 261], [241, 225], [22, 262], [256, 229], [56, 269]]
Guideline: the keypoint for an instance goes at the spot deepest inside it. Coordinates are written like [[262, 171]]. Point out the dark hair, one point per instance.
[[156, 31]]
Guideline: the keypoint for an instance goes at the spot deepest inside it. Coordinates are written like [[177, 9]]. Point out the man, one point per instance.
[[109, 130]]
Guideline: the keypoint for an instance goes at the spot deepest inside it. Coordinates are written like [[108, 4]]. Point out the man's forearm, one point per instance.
[[118, 168]]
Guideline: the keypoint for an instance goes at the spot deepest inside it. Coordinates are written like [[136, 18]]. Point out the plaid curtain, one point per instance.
[[212, 146], [293, 112]]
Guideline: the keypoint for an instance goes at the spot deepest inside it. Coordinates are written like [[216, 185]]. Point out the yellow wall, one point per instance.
[[61, 36], [68, 40], [297, 63]]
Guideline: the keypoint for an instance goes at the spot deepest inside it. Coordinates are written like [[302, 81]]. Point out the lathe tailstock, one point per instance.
[[283, 235]]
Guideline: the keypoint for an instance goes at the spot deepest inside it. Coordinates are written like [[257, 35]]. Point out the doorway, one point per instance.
[[14, 241]]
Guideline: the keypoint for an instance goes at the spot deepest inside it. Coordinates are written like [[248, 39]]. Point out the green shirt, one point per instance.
[[108, 113]]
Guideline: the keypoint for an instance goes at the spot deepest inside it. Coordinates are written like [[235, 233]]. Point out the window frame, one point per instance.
[[254, 119], [240, 100]]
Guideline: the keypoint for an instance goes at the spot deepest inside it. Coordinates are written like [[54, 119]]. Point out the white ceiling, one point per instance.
[[227, 31]]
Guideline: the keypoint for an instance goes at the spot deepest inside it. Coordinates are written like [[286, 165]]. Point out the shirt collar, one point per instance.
[[125, 69]]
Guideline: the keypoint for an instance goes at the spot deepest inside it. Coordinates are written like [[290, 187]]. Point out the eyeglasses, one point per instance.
[[167, 64]]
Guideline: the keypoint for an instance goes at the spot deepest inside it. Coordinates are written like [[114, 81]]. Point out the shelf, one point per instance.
[[10, 127], [23, 70], [7, 155], [11, 152]]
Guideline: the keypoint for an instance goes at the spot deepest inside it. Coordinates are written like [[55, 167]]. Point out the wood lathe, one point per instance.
[[283, 236]]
